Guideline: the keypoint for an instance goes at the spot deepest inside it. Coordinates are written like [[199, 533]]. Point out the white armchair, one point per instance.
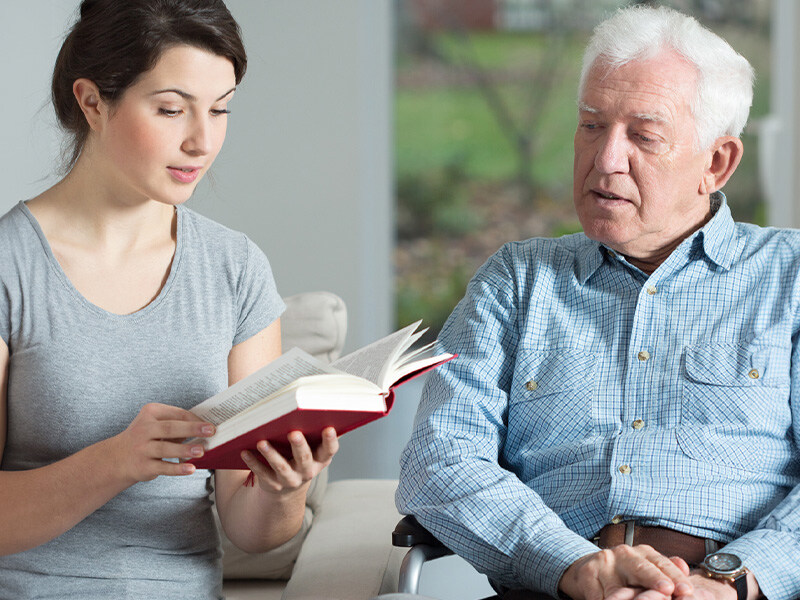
[[343, 551]]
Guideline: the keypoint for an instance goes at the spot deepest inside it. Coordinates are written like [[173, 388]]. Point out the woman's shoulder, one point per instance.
[[17, 232], [10, 221], [217, 242]]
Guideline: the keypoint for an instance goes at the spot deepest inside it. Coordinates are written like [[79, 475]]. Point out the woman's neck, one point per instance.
[[83, 209]]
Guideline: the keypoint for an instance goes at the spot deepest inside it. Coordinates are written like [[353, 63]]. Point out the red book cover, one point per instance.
[[310, 421]]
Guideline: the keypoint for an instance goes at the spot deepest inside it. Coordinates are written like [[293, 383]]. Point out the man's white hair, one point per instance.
[[725, 78]]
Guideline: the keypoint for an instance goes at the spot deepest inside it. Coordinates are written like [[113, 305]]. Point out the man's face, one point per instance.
[[637, 172]]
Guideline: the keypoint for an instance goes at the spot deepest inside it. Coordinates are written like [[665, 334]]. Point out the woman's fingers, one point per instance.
[[280, 474], [157, 433], [328, 447]]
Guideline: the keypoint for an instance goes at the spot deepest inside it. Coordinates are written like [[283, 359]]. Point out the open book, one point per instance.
[[297, 392]]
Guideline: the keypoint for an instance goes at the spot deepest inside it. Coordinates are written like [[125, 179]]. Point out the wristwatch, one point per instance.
[[727, 567]]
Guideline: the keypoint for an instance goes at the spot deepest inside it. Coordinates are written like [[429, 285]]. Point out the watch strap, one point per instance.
[[740, 583]]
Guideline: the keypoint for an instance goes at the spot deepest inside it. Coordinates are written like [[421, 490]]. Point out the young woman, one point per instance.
[[120, 309]]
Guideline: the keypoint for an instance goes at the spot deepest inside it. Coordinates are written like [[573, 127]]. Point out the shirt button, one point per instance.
[[617, 519], [531, 386], [643, 355], [651, 289], [637, 424], [754, 374], [625, 470]]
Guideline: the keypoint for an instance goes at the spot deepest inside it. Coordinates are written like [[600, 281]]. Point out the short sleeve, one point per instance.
[[258, 301], [5, 314]]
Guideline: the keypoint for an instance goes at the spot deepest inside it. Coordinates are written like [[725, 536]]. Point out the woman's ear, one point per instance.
[[724, 156], [88, 96]]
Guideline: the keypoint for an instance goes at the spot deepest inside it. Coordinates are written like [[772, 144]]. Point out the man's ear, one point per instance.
[[88, 96], [724, 156]]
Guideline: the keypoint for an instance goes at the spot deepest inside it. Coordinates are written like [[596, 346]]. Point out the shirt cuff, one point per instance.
[[541, 564], [768, 553]]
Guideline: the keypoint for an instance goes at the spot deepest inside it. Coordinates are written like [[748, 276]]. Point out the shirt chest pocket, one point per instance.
[[733, 396], [551, 399]]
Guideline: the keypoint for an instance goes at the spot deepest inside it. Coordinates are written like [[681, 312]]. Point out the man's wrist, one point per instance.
[[753, 590]]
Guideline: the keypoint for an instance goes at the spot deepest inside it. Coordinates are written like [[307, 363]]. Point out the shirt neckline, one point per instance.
[[718, 237], [67, 283]]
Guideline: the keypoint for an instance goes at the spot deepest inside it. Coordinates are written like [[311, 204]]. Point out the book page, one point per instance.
[[370, 362], [262, 384]]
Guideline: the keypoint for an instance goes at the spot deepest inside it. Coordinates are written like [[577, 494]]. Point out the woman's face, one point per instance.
[[165, 131]]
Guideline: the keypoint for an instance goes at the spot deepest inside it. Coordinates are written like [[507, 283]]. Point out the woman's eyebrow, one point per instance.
[[188, 96]]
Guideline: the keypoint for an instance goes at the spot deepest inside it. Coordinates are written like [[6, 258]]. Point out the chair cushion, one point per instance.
[[315, 322]]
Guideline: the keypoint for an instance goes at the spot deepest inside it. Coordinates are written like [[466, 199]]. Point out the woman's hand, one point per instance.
[[156, 433], [281, 476]]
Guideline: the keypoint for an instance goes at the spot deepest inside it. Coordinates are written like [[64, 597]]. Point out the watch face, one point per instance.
[[724, 564]]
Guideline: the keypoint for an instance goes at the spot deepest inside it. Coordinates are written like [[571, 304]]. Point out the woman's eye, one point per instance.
[[220, 111], [168, 112]]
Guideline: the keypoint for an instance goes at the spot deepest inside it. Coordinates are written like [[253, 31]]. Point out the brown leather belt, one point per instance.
[[668, 542]]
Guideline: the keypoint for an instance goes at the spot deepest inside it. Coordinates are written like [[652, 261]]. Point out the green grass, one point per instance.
[[440, 125]]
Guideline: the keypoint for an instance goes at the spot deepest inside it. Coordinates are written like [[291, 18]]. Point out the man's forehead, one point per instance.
[[653, 90], [655, 115]]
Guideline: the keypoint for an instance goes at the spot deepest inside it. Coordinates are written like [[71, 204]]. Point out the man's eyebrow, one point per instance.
[[652, 117], [188, 96]]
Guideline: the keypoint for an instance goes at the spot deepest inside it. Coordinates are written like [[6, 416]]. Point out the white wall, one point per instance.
[[779, 153], [306, 170], [29, 144]]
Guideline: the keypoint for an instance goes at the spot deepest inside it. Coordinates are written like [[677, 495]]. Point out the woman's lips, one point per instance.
[[184, 174]]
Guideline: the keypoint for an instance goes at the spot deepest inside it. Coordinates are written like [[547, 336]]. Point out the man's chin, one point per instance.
[[607, 233]]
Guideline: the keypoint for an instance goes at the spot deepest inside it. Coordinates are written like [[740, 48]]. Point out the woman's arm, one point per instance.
[[269, 513], [38, 505]]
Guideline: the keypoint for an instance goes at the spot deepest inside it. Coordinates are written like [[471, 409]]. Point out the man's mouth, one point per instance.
[[607, 195]]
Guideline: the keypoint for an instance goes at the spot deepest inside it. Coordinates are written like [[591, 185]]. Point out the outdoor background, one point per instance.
[[485, 111]]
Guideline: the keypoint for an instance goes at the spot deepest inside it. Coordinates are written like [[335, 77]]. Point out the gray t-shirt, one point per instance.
[[79, 374]]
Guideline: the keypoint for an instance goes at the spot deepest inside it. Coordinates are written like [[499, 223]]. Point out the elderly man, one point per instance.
[[623, 418]]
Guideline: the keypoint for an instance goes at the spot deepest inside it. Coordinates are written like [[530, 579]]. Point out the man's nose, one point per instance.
[[613, 152]]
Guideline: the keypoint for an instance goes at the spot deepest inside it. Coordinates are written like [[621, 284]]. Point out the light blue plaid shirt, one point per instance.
[[585, 390]]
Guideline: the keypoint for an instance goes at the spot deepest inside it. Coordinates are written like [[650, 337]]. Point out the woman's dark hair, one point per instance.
[[115, 41]]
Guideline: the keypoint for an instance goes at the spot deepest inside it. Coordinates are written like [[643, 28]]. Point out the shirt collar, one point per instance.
[[589, 258], [717, 238]]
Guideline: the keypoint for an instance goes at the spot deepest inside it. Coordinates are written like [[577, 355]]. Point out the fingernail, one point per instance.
[[664, 586], [188, 469], [197, 451], [683, 588], [208, 430]]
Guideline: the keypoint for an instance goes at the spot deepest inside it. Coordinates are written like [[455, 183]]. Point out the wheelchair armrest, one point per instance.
[[423, 546], [408, 533]]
